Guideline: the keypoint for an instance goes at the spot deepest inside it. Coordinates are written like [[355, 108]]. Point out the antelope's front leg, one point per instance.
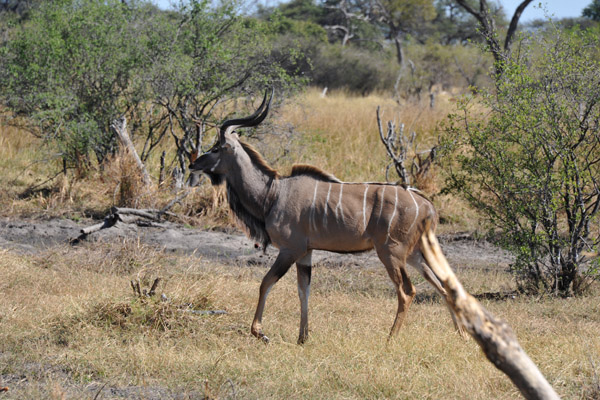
[[280, 267], [303, 267]]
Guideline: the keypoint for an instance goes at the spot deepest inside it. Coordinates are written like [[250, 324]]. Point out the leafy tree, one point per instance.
[[18, 7], [352, 68], [528, 156], [401, 18], [304, 10], [301, 29], [217, 57], [404, 32], [592, 11], [349, 20], [68, 69], [436, 64], [453, 24], [359, 64], [77, 65]]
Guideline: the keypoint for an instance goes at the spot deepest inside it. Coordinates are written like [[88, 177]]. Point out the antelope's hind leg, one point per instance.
[[394, 260], [303, 267], [282, 264]]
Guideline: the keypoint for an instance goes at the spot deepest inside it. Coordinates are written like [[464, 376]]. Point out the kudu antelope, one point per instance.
[[312, 210]]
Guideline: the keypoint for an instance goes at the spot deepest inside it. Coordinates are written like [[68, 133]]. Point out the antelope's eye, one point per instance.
[[214, 150]]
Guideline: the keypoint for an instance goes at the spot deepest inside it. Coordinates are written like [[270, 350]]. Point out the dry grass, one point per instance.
[[337, 133], [70, 323], [31, 184], [72, 310], [340, 131]]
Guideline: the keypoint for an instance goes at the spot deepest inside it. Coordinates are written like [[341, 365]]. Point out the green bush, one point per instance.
[[528, 156], [68, 69], [74, 66]]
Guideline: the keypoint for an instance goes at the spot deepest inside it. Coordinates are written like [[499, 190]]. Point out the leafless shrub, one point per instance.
[[412, 166]]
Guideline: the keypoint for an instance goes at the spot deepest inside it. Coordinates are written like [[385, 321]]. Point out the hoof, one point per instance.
[[302, 340], [265, 339]]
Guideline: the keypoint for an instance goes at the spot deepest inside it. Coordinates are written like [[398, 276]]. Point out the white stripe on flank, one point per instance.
[[416, 209], [339, 204], [326, 207], [365, 207], [312, 208], [381, 206], [393, 214]]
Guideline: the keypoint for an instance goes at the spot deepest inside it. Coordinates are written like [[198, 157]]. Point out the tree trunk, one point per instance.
[[489, 32], [120, 128], [399, 49]]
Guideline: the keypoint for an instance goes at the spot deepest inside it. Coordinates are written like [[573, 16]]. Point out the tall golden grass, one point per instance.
[[337, 133], [340, 132]]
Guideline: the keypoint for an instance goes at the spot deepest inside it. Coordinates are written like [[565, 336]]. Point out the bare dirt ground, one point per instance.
[[35, 236], [32, 236]]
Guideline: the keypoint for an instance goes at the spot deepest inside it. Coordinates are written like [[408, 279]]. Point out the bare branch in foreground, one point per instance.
[[494, 336]]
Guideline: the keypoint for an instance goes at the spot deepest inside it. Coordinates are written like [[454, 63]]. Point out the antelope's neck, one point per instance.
[[254, 189]]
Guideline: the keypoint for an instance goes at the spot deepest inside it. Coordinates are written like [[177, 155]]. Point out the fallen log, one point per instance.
[[494, 336], [144, 217]]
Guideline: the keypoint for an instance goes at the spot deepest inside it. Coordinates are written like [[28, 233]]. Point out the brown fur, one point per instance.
[[313, 172], [297, 169], [253, 226], [313, 210], [259, 161]]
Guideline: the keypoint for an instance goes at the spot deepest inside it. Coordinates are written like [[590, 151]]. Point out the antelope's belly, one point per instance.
[[340, 243]]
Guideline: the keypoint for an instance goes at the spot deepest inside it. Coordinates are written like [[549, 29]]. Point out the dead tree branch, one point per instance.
[[135, 285], [120, 127], [494, 336], [147, 217], [489, 31], [188, 307], [398, 146], [176, 200]]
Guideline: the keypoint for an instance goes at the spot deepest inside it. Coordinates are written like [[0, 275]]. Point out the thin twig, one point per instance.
[[44, 160], [100, 390], [32, 188]]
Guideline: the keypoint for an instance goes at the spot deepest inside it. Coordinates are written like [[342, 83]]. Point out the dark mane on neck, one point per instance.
[[252, 225], [314, 172], [259, 161]]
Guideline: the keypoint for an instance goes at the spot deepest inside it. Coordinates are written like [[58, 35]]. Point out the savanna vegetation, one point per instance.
[[511, 111]]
